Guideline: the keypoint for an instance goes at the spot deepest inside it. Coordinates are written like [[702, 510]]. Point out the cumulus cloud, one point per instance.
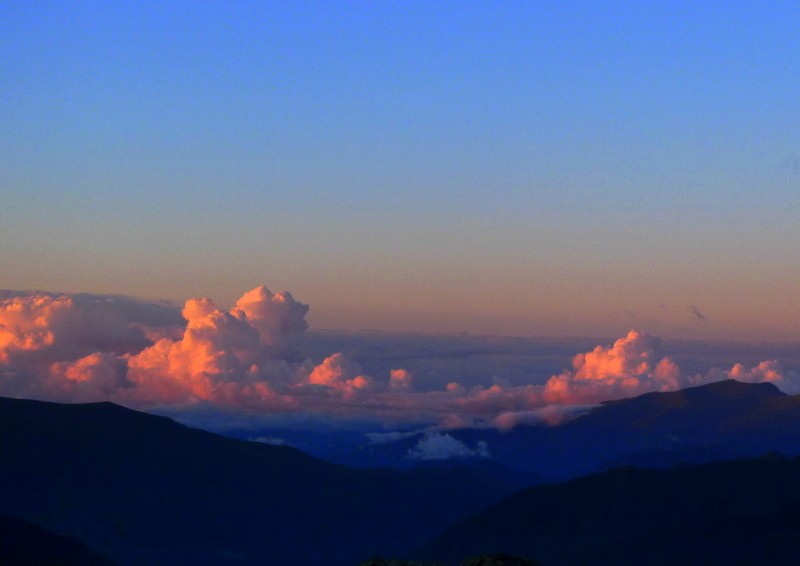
[[400, 379], [40, 325], [442, 446], [630, 367], [341, 374], [275, 315], [92, 348], [95, 377]]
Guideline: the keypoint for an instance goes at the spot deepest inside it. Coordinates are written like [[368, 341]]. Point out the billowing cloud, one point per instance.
[[339, 373], [275, 315], [92, 348], [42, 325], [630, 367]]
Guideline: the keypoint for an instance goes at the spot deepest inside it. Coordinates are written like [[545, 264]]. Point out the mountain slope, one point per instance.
[[145, 490], [24, 544], [723, 420], [739, 512]]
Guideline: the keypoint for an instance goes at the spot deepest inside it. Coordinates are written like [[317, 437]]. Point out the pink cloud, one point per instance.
[[30, 324], [630, 367], [90, 348], [341, 374], [400, 379], [275, 315]]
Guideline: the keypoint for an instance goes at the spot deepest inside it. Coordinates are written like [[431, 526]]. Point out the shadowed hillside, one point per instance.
[[145, 490], [740, 512], [24, 544], [719, 421]]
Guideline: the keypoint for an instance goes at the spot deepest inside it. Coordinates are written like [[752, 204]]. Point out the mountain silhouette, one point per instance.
[[142, 489], [719, 421], [24, 544], [736, 512]]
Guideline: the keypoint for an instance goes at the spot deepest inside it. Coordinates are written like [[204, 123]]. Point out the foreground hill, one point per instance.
[[141, 489], [738, 512], [24, 544]]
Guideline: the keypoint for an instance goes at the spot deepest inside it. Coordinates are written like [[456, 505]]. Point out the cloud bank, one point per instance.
[[78, 348]]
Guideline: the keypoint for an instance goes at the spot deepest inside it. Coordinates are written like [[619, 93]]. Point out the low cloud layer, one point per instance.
[[79, 348]]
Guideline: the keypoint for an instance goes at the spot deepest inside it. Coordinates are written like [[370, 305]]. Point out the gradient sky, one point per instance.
[[514, 168]]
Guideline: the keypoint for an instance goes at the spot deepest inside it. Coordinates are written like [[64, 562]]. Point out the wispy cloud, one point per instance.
[[698, 314]]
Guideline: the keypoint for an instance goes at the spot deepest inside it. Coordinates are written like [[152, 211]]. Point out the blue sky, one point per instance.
[[521, 168]]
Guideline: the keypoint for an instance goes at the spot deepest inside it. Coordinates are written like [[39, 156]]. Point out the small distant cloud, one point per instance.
[[549, 415], [698, 314], [400, 379], [438, 446]]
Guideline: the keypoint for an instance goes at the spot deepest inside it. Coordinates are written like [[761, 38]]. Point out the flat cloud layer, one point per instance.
[[78, 348]]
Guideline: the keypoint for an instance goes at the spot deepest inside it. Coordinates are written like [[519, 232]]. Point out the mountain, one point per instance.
[[24, 544], [719, 421], [142, 489], [736, 512]]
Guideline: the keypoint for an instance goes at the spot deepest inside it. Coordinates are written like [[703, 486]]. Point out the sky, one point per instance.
[[511, 168]]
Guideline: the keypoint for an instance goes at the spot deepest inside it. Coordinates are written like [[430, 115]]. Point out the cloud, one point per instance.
[[341, 374], [442, 446], [157, 356], [550, 415], [56, 326], [769, 371], [276, 316], [630, 367], [400, 379], [95, 377], [697, 314]]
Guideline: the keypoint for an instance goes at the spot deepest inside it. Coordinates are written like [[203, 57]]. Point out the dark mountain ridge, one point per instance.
[[719, 421], [737, 512], [23, 544], [141, 489]]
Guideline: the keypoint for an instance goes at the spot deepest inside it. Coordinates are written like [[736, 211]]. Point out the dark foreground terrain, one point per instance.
[[140, 489], [740, 512], [23, 543], [133, 488]]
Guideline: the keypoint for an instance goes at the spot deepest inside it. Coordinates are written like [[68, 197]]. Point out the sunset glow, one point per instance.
[[244, 360], [523, 169], [399, 283]]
